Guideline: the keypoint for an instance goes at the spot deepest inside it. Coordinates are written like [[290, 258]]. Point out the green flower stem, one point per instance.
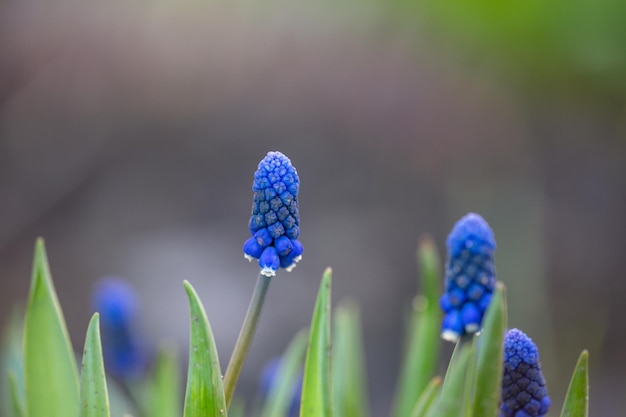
[[245, 337]]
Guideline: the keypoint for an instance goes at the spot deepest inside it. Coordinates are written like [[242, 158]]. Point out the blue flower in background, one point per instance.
[[470, 277], [116, 301], [269, 379], [524, 392], [275, 221]]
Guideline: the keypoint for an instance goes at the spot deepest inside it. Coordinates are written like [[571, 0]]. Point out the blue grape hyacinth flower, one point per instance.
[[524, 392], [469, 278], [116, 301], [275, 220]]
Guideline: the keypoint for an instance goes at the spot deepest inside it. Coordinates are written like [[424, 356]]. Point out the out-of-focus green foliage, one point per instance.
[[316, 386], [575, 47]]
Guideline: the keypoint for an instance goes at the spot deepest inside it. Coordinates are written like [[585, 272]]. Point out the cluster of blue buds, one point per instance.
[[470, 277], [116, 301], [275, 221], [524, 392]]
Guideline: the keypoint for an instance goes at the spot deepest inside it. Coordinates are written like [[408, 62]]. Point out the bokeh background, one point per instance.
[[130, 131]]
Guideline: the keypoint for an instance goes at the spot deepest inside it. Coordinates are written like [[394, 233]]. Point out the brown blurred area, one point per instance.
[[129, 134]]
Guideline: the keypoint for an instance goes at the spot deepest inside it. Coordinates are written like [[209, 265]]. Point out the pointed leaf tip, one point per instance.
[[316, 387], [51, 374], [577, 398], [205, 390], [94, 397]]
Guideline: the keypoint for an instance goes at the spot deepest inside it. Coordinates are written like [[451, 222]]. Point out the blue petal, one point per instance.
[[269, 261], [452, 326], [276, 230], [471, 317], [252, 249], [283, 245], [263, 237]]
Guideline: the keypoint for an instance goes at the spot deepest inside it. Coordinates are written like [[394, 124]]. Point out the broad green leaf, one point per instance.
[[316, 386], [490, 356], [51, 375], [577, 399], [164, 399], [94, 396], [421, 352], [280, 395], [349, 379], [427, 399], [450, 401], [205, 392], [12, 396]]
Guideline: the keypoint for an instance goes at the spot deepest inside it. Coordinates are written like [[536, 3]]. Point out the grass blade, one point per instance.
[[422, 348], [17, 403], [12, 401], [281, 395], [427, 399], [348, 380], [94, 397], [490, 357], [51, 375], [316, 388], [577, 399], [205, 392], [450, 402], [164, 399]]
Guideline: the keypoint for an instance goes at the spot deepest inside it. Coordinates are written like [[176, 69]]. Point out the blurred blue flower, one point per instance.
[[269, 380], [524, 392], [275, 220], [470, 277], [116, 301]]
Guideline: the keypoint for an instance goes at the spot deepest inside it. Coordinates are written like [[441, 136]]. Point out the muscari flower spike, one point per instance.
[[116, 301], [275, 220], [524, 392], [470, 277]]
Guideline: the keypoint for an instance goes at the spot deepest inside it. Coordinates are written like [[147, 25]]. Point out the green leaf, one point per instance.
[[12, 396], [349, 379], [281, 394], [450, 401], [490, 356], [51, 375], [577, 399], [94, 397], [17, 404], [422, 349], [205, 392], [163, 397], [427, 399], [316, 385]]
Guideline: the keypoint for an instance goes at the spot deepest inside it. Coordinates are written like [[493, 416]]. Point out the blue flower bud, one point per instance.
[[116, 301], [524, 392], [470, 277], [269, 261], [275, 220]]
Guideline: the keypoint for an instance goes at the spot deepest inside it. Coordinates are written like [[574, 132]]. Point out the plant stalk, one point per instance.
[[245, 337]]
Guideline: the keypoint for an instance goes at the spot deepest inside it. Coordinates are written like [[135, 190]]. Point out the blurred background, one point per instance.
[[130, 131]]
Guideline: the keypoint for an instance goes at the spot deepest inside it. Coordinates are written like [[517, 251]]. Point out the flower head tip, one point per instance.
[[524, 392], [275, 221], [116, 301], [470, 277]]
